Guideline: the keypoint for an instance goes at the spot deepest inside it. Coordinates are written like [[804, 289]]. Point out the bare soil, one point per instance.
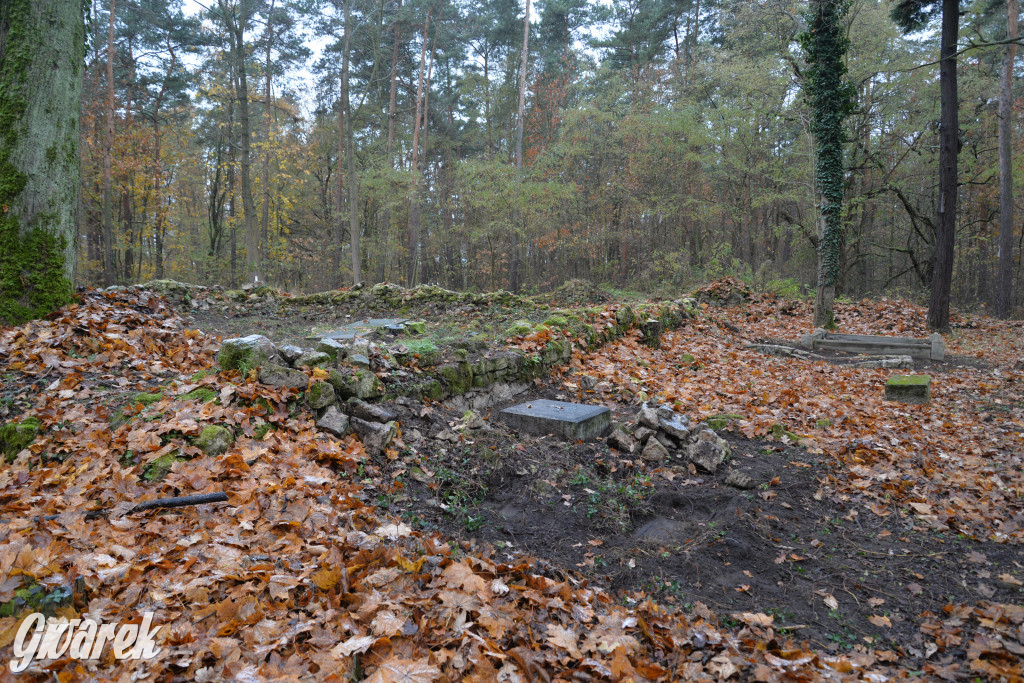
[[787, 548]]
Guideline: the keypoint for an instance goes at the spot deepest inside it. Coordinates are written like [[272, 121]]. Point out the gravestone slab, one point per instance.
[[571, 421], [916, 389], [363, 328]]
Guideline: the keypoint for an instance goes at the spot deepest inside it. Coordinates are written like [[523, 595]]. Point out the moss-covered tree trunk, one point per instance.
[[42, 47], [830, 97]]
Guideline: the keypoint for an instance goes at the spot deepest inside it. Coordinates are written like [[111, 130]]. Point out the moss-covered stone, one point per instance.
[[350, 382], [520, 328], [17, 436], [246, 353], [913, 389], [313, 359], [458, 377], [214, 439], [416, 328], [320, 395]]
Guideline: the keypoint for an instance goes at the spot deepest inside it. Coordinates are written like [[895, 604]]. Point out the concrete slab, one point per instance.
[[363, 328], [572, 421]]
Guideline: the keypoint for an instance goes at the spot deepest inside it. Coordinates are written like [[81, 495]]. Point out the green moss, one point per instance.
[[426, 349], [158, 469], [262, 430], [722, 421], [458, 377], [779, 431], [823, 422], [146, 399], [558, 321], [17, 436], [33, 258], [214, 439], [909, 380], [520, 328], [201, 394], [416, 328]]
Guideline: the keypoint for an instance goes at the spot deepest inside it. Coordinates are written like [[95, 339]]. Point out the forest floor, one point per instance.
[[881, 541]]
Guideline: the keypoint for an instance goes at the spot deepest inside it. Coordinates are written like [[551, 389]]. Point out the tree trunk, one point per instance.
[[108, 143], [949, 149], [520, 112], [414, 190], [236, 25], [350, 158], [392, 106], [339, 198], [1005, 278], [42, 47], [265, 218]]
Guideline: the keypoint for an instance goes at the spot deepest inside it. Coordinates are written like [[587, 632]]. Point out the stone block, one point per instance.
[[915, 389], [571, 421]]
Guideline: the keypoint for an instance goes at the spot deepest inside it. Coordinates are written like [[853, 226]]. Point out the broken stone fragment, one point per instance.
[[472, 420], [359, 361], [312, 359], [740, 480], [278, 376], [246, 352], [708, 451], [214, 440], [290, 352], [665, 440], [334, 349], [648, 417], [320, 395], [642, 434], [374, 435], [654, 452], [350, 383], [333, 422], [587, 383], [678, 426], [623, 441], [371, 412]]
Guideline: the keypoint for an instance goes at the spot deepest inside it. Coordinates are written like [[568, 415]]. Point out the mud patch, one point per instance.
[[820, 564]]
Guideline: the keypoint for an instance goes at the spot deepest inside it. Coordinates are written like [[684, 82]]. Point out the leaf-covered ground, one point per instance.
[[300, 576]]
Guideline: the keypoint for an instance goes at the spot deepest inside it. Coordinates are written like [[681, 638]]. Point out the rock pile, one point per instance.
[[663, 436], [339, 403]]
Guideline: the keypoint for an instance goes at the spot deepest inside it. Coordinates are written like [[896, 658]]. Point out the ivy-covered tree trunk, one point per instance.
[[42, 47], [830, 97]]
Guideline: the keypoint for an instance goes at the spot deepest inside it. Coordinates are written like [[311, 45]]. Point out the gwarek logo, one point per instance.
[[39, 639]]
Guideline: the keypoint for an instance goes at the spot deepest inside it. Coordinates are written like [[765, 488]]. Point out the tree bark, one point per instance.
[[414, 190], [42, 48], [949, 149], [236, 25], [265, 218], [520, 112], [109, 276], [350, 158], [1005, 270]]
